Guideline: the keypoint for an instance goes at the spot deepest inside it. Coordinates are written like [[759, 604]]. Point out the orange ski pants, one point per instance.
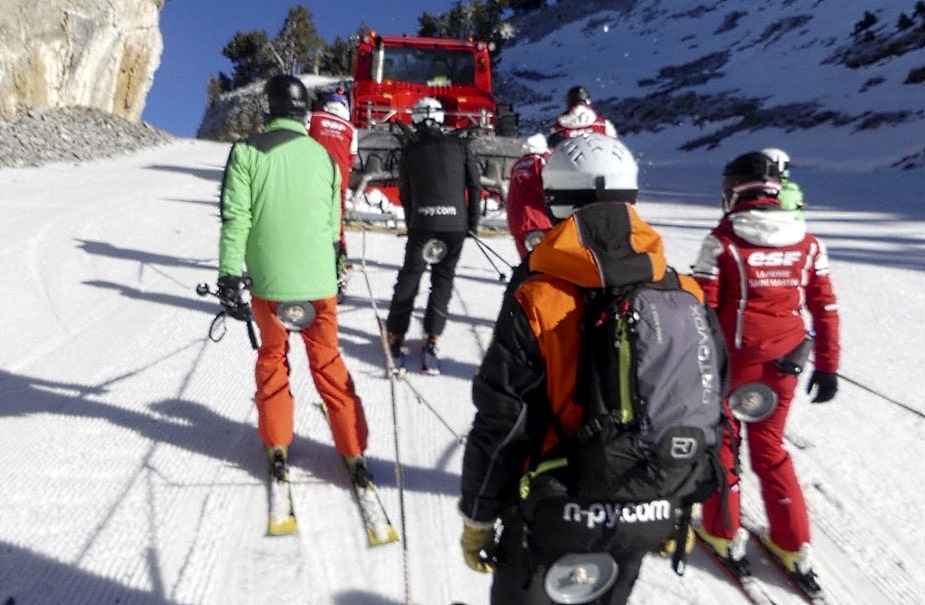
[[274, 399]]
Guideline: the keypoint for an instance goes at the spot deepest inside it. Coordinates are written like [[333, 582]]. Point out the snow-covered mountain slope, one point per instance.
[[132, 472], [719, 77]]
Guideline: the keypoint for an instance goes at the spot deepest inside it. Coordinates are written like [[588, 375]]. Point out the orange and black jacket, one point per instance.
[[531, 363]]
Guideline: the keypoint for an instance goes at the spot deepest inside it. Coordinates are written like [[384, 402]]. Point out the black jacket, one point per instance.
[[531, 364], [437, 172]]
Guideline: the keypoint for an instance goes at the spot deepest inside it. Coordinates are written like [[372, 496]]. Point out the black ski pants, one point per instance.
[[409, 279]]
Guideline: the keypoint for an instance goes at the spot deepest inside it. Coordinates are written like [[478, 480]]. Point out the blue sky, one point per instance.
[[194, 33]]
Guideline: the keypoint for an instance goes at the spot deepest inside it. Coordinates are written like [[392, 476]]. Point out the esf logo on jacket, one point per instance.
[[333, 124], [609, 514], [778, 258]]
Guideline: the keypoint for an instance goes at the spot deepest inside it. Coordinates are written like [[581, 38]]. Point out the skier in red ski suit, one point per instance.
[[526, 205], [332, 128], [766, 277], [580, 118]]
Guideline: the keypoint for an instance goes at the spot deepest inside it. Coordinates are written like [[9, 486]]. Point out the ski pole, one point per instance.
[[481, 246], [421, 399], [886, 398], [204, 290], [679, 558], [482, 243], [873, 391]]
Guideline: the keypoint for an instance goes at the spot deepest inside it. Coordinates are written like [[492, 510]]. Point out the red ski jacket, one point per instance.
[[768, 280], [338, 136], [577, 120], [526, 206]]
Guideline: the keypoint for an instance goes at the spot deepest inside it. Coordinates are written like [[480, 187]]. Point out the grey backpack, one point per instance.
[[651, 378]]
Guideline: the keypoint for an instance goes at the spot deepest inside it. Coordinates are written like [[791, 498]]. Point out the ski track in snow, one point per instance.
[[132, 468]]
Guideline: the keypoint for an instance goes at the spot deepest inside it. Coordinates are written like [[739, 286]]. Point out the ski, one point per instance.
[[806, 587], [741, 576], [379, 528], [282, 519]]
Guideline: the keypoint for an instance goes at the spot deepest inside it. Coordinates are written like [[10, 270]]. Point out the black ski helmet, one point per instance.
[[577, 95], [287, 97], [750, 176]]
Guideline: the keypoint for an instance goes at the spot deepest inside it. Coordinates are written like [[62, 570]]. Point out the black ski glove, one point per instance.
[[826, 384], [232, 293], [340, 260]]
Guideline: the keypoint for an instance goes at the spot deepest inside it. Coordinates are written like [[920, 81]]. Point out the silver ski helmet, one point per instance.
[[588, 168], [781, 158]]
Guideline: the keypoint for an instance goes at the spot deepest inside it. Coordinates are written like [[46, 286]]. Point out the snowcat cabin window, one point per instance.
[[388, 69], [431, 67], [451, 67], [439, 72]]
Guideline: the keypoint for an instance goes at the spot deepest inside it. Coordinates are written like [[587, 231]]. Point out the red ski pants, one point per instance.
[[780, 489], [332, 380]]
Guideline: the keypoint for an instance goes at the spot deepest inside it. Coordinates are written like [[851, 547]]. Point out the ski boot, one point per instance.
[[358, 472], [397, 350], [279, 467], [430, 361], [798, 563], [730, 551]]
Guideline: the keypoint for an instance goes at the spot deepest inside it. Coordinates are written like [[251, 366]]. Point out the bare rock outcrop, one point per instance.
[[78, 53]]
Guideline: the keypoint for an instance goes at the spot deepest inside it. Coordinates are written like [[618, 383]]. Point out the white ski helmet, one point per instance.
[[781, 158], [427, 108], [535, 145], [588, 168]]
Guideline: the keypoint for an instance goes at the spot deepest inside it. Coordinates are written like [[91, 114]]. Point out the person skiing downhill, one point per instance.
[[525, 389], [763, 273], [331, 127], [578, 118], [440, 193], [525, 205], [280, 211]]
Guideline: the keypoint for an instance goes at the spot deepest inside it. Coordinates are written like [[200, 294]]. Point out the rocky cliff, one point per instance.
[[78, 53]]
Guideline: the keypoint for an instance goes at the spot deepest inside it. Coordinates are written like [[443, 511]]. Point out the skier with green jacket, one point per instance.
[[281, 212]]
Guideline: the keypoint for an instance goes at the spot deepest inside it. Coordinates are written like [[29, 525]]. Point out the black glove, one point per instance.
[[232, 293], [826, 384], [340, 260]]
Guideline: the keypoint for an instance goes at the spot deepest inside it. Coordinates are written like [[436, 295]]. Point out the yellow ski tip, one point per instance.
[[284, 527], [376, 540]]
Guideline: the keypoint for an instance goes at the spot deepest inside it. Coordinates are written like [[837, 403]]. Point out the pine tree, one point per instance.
[[298, 47], [337, 57], [251, 56], [477, 19]]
